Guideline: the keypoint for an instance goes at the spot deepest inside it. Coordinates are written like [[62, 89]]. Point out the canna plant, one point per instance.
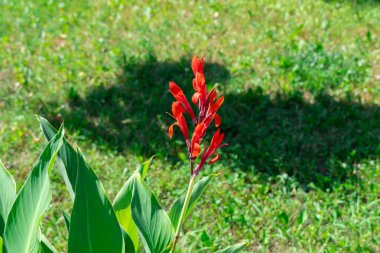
[[134, 221], [208, 107]]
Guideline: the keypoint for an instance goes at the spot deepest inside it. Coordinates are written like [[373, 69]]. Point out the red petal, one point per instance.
[[195, 87], [212, 95], [197, 65], [171, 130], [199, 130], [196, 150], [181, 98], [214, 159], [174, 89], [195, 98], [209, 118], [183, 126], [218, 120], [220, 101], [216, 140], [177, 108], [220, 139], [201, 83], [215, 106]]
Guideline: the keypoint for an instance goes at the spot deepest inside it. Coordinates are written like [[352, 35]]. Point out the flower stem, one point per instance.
[[183, 212], [191, 166]]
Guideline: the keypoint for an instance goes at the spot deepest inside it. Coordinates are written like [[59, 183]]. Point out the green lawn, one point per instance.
[[301, 114]]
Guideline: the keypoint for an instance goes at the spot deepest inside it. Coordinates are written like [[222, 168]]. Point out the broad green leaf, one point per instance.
[[128, 243], [7, 195], [46, 246], [1, 245], [151, 220], [176, 209], [234, 248], [122, 204], [93, 224], [22, 233], [122, 207], [68, 159]]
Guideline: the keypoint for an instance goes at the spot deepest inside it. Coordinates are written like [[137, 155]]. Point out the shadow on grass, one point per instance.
[[129, 115], [319, 141]]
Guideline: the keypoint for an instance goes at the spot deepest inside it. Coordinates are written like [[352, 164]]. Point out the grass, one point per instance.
[[301, 113]]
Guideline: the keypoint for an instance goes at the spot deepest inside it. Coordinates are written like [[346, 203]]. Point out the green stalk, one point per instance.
[[183, 212]]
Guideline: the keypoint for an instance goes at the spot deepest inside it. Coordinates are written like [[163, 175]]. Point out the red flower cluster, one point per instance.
[[208, 105]]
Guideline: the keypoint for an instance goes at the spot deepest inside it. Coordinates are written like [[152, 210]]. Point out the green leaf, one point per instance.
[[7, 196], [144, 168], [234, 248], [68, 159], [176, 209], [152, 221], [93, 224], [1, 245], [122, 204], [128, 243], [122, 207], [22, 233], [46, 246]]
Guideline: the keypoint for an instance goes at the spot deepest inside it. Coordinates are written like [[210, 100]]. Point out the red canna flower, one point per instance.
[[208, 106]]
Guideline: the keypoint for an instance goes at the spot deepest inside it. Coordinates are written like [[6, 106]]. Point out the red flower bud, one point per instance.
[[197, 65]]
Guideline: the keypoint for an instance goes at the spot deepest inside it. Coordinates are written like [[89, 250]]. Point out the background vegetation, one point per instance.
[[301, 115]]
